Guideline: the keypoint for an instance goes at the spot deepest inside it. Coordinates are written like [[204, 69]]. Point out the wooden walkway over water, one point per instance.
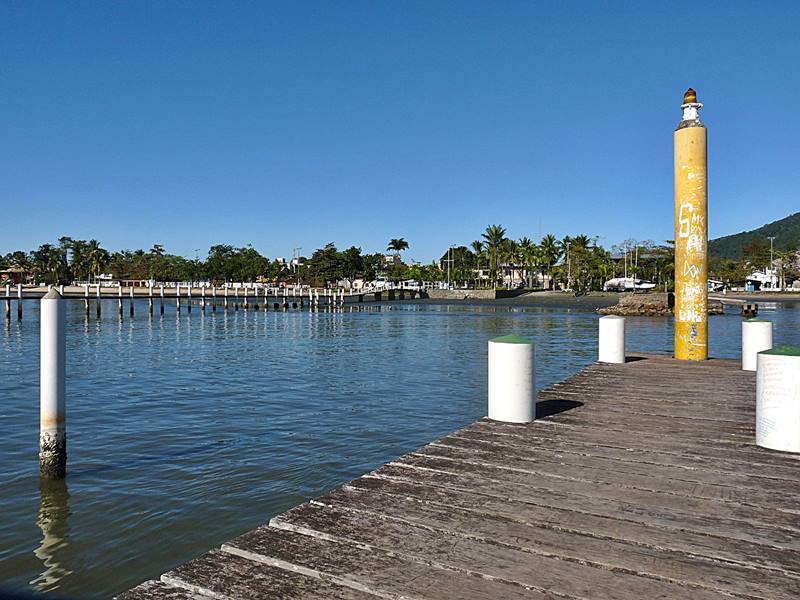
[[640, 481]]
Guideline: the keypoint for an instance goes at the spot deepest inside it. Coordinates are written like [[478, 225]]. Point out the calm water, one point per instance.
[[186, 430]]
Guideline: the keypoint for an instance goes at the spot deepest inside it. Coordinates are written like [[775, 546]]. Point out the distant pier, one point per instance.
[[638, 480]]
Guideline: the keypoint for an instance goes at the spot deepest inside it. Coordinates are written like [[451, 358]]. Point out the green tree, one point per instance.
[[494, 236], [397, 245]]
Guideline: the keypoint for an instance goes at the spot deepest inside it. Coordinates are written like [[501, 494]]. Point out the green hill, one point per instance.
[[786, 233]]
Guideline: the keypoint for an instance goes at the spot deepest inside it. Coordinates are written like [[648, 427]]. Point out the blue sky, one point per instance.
[[295, 124]]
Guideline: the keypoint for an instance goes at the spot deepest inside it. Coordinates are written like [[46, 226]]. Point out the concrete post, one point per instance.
[[52, 388], [178, 298], [213, 298], [97, 308], [203, 298], [611, 340], [119, 300], [150, 297], [19, 302], [691, 234], [161, 303], [778, 399], [8, 302], [756, 337], [131, 296], [86, 299], [189, 298], [512, 380]]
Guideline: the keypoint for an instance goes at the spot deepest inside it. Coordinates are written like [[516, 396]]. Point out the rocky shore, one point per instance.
[[650, 305]]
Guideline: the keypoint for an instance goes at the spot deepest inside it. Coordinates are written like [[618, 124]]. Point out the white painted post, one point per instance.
[[189, 298], [8, 302], [778, 399], [52, 388], [119, 299], [61, 289], [611, 339], [86, 298], [19, 301], [178, 298], [131, 296], [512, 379], [226, 297], [756, 337], [97, 308], [150, 297], [203, 298], [213, 298]]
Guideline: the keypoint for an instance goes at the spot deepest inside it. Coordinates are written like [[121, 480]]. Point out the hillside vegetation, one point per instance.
[[786, 232]]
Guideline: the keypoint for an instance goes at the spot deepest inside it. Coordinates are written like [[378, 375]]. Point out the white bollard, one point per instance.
[[611, 339], [52, 388], [778, 399], [512, 379], [756, 337]]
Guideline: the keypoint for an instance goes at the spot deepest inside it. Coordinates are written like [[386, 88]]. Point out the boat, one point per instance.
[[627, 284]]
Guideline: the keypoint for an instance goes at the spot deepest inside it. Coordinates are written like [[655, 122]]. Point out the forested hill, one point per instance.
[[786, 233]]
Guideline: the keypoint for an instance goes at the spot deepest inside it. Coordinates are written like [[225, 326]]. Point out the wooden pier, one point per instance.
[[638, 481]]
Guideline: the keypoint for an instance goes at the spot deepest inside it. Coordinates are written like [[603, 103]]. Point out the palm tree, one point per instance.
[[551, 252], [97, 257], [529, 254], [397, 245], [477, 248], [494, 237]]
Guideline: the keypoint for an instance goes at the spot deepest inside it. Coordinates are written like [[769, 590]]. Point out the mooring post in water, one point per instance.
[[611, 339], [19, 302], [177, 298], [512, 379], [8, 302], [778, 399], [119, 299], [691, 233], [161, 294], [203, 298], [97, 308], [131, 301], [52, 388], [756, 337], [86, 299], [213, 298], [150, 297], [189, 298], [245, 304]]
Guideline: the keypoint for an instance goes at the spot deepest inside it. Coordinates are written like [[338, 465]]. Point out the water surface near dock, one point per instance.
[[186, 430]]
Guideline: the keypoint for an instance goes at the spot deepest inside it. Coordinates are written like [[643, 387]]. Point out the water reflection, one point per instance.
[[53, 520]]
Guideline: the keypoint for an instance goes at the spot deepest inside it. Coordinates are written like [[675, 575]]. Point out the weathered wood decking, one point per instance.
[[642, 482]]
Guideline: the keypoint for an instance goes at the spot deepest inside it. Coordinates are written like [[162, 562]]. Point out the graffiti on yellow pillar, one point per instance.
[[691, 234]]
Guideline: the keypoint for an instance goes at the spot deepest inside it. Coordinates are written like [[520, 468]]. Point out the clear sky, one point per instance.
[[295, 124]]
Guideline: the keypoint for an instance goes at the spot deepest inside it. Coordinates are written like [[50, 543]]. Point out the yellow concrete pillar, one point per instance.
[[691, 234]]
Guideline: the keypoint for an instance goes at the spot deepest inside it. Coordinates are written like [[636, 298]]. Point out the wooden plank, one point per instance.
[[625, 438], [610, 447], [220, 574], [502, 543], [390, 492], [642, 477], [157, 590], [701, 516], [504, 562], [369, 569]]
